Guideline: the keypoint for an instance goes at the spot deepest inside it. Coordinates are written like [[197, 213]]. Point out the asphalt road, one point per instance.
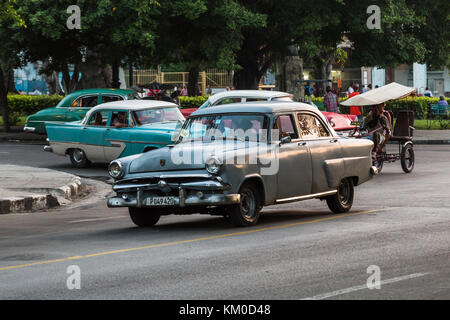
[[33, 155], [399, 223]]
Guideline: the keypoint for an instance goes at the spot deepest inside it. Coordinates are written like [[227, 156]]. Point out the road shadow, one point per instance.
[[201, 224]]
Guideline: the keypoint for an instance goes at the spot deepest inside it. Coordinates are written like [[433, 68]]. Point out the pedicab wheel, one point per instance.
[[78, 158], [342, 201], [407, 158], [143, 217], [247, 212]]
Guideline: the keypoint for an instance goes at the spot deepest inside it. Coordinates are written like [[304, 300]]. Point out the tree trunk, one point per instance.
[[130, 75], [70, 83], [94, 74], [115, 75], [248, 77], [192, 87], [290, 74], [4, 100], [11, 82]]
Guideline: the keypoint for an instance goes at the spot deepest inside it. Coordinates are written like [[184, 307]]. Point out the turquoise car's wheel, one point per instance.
[[78, 158]]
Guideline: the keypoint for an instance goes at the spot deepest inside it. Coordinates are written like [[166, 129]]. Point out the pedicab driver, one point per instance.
[[378, 125]]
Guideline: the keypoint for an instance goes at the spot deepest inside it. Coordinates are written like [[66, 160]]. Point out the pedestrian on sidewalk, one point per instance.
[[331, 101], [355, 110]]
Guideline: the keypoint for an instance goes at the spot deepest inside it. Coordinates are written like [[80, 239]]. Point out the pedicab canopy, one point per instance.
[[379, 95]]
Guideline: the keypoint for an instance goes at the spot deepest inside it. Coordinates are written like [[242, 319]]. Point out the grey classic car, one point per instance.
[[234, 160]]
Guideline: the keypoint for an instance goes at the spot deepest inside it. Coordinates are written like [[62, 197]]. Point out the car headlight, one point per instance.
[[116, 169], [332, 122], [213, 165]]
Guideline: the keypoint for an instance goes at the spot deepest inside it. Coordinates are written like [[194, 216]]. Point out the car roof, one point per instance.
[[131, 105], [263, 94], [101, 90], [257, 107], [67, 100]]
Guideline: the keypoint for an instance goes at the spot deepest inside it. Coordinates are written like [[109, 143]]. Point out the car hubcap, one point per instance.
[[247, 204], [344, 193], [78, 155]]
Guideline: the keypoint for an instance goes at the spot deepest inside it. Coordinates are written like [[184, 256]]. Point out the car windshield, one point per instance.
[[243, 127], [155, 115]]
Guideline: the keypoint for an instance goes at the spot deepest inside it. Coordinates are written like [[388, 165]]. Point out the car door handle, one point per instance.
[[334, 141], [302, 144]]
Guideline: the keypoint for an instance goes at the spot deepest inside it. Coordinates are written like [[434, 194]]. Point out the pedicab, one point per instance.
[[403, 128]]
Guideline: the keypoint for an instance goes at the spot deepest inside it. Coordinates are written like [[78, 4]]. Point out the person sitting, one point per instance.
[[442, 101], [98, 120], [120, 121]]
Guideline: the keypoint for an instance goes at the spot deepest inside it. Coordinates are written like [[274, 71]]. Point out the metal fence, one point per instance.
[[210, 77]]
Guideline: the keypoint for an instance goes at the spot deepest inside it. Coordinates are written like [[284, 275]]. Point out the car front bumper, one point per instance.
[[181, 193], [179, 201]]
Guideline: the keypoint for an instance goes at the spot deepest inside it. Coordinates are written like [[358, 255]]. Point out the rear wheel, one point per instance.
[[247, 212], [78, 158], [407, 158], [143, 217], [342, 201]]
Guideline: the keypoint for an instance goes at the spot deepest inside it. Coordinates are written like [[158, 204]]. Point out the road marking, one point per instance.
[[362, 287], [97, 219], [173, 243]]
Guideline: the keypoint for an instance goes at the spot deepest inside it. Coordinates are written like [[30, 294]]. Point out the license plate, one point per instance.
[[355, 123], [160, 201]]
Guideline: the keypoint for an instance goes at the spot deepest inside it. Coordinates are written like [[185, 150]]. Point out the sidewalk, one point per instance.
[[431, 137], [29, 189], [17, 135]]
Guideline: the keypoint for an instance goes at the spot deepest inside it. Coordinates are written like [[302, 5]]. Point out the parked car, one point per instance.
[[240, 96], [115, 129], [342, 123], [296, 155], [74, 106]]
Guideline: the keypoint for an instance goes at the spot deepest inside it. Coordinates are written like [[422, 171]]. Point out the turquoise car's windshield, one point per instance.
[[155, 115], [245, 127]]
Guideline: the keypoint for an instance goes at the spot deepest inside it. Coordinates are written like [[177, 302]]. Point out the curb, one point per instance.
[[431, 141], [44, 201]]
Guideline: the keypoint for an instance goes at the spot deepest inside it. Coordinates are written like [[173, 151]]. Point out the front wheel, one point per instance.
[[247, 212], [407, 158], [143, 217], [78, 158], [342, 201]]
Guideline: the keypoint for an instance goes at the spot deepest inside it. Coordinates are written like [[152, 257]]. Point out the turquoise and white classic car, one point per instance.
[[114, 130]]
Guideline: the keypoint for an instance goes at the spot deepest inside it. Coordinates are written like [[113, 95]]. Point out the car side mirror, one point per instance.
[[285, 140]]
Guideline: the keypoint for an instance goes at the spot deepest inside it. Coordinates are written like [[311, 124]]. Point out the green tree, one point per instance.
[[10, 24], [111, 31], [204, 33]]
